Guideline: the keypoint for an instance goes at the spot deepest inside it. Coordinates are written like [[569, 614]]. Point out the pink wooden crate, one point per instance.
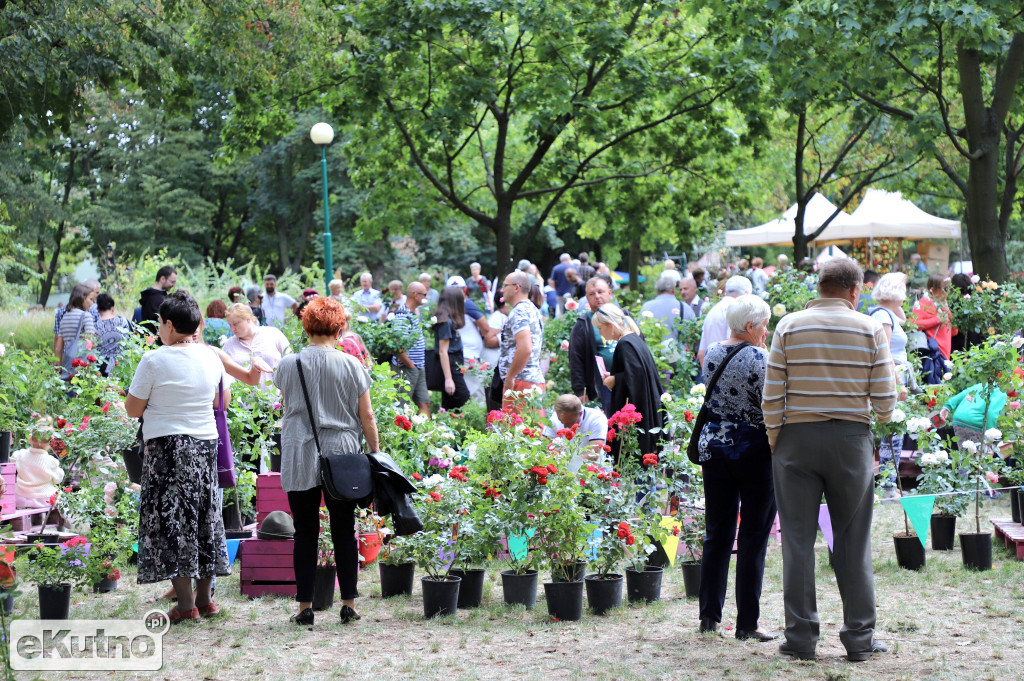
[[267, 574], [257, 590], [9, 472]]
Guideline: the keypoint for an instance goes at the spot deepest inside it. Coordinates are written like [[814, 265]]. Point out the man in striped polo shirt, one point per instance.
[[828, 369]]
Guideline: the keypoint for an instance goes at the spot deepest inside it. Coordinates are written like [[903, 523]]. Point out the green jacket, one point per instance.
[[967, 408]]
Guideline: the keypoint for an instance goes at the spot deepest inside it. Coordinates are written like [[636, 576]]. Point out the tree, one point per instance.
[[953, 72], [504, 108], [839, 146]]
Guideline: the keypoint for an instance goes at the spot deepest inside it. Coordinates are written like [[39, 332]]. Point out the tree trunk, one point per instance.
[[502, 229], [988, 253], [58, 238]]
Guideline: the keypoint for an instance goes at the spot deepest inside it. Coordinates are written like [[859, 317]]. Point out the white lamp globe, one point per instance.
[[321, 133]]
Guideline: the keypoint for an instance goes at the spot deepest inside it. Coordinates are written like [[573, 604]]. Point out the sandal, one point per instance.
[[176, 616], [208, 610]]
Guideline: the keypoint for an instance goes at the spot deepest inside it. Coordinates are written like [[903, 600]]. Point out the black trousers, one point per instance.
[[727, 483], [305, 506]]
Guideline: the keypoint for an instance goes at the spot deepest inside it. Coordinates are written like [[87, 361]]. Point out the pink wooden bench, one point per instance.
[[8, 510], [1012, 535]]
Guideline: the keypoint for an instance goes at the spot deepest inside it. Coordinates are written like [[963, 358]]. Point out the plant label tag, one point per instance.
[[575, 463]]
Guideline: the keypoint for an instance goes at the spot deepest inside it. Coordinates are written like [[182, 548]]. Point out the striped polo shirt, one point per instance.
[[827, 361]]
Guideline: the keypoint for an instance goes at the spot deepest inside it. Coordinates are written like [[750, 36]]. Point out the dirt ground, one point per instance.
[[941, 623]]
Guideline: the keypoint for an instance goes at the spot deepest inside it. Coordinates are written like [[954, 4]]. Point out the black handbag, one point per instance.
[[692, 448], [434, 372], [345, 476]]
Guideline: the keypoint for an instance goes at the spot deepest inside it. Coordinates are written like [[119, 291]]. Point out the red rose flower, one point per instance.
[[436, 496], [91, 358], [417, 476], [688, 415], [552, 468], [650, 460], [611, 434]]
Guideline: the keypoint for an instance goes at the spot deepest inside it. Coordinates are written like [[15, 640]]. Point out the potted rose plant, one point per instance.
[[58, 569], [441, 503], [325, 578]]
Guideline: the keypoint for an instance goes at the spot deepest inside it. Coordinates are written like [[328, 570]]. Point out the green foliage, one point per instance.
[[31, 384]]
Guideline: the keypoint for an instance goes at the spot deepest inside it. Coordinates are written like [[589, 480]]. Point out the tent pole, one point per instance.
[[901, 253]]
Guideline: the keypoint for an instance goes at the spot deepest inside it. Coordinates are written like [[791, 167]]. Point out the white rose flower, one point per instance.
[[698, 389], [916, 425], [471, 452], [779, 310], [391, 316], [432, 480], [946, 376], [648, 314], [447, 449], [898, 415], [928, 459], [362, 319], [969, 446], [764, 295], [994, 434], [3, 349], [419, 419], [666, 397], [975, 278], [942, 456], [433, 320], [1017, 341], [778, 287]]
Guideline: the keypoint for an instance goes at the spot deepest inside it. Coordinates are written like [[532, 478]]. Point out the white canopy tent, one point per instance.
[[887, 215], [780, 232]]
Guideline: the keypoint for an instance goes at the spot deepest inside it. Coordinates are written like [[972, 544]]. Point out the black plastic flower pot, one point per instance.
[[976, 550], [519, 589], [603, 593], [943, 528], [1015, 505], [105, 585], [54, 601], [471, 591], [573, 572], [275, 453], [5, 446], [691, 578], [565, 600], [323, 587], [644, 587], [440, 596], [7, 600], [396, 580], [909, 551]]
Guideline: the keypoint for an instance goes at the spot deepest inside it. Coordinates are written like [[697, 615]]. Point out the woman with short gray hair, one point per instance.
[[737, 465]]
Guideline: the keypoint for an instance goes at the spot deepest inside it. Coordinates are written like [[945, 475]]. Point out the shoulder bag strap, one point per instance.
[[721, 367], [309, 407]]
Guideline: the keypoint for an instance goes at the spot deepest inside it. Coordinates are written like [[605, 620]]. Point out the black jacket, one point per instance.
[[582, 366], [391, 490], [151, 299]]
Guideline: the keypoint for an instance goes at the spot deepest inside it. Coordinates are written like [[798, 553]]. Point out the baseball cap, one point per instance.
[[456, 280]]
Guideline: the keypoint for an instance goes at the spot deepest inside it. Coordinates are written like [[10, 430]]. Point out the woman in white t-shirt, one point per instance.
[[252, 340], [180, 528]]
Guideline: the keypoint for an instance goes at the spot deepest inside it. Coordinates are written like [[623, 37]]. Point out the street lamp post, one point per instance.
[[322, 135]]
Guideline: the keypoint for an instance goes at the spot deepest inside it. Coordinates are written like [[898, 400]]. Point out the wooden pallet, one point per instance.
[[266, 567], [270, 497], [1012, 535]]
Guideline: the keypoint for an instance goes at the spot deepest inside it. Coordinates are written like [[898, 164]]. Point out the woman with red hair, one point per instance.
[[338, 389]]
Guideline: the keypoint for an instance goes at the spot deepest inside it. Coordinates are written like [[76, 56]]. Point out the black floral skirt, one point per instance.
[[181, 530]]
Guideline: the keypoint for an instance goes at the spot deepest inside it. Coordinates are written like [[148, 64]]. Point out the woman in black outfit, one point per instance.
[[737, 466], [451, 316]]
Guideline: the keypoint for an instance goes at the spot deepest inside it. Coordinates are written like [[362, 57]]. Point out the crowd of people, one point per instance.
[[831, 369]]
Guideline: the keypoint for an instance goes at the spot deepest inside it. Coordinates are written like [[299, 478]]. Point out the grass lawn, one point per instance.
[[941, 623]]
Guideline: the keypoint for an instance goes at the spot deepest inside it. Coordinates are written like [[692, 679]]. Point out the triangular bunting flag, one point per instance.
[[919, 510], [518, 544], [671, 543], [825, 523]]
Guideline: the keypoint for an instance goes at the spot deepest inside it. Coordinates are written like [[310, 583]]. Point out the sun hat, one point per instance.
[[277, 525]]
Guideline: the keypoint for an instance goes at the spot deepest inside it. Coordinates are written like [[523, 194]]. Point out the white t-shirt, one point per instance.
[[275, 306], [180, 382], [593, 425], [716, 326], [496, 321]]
